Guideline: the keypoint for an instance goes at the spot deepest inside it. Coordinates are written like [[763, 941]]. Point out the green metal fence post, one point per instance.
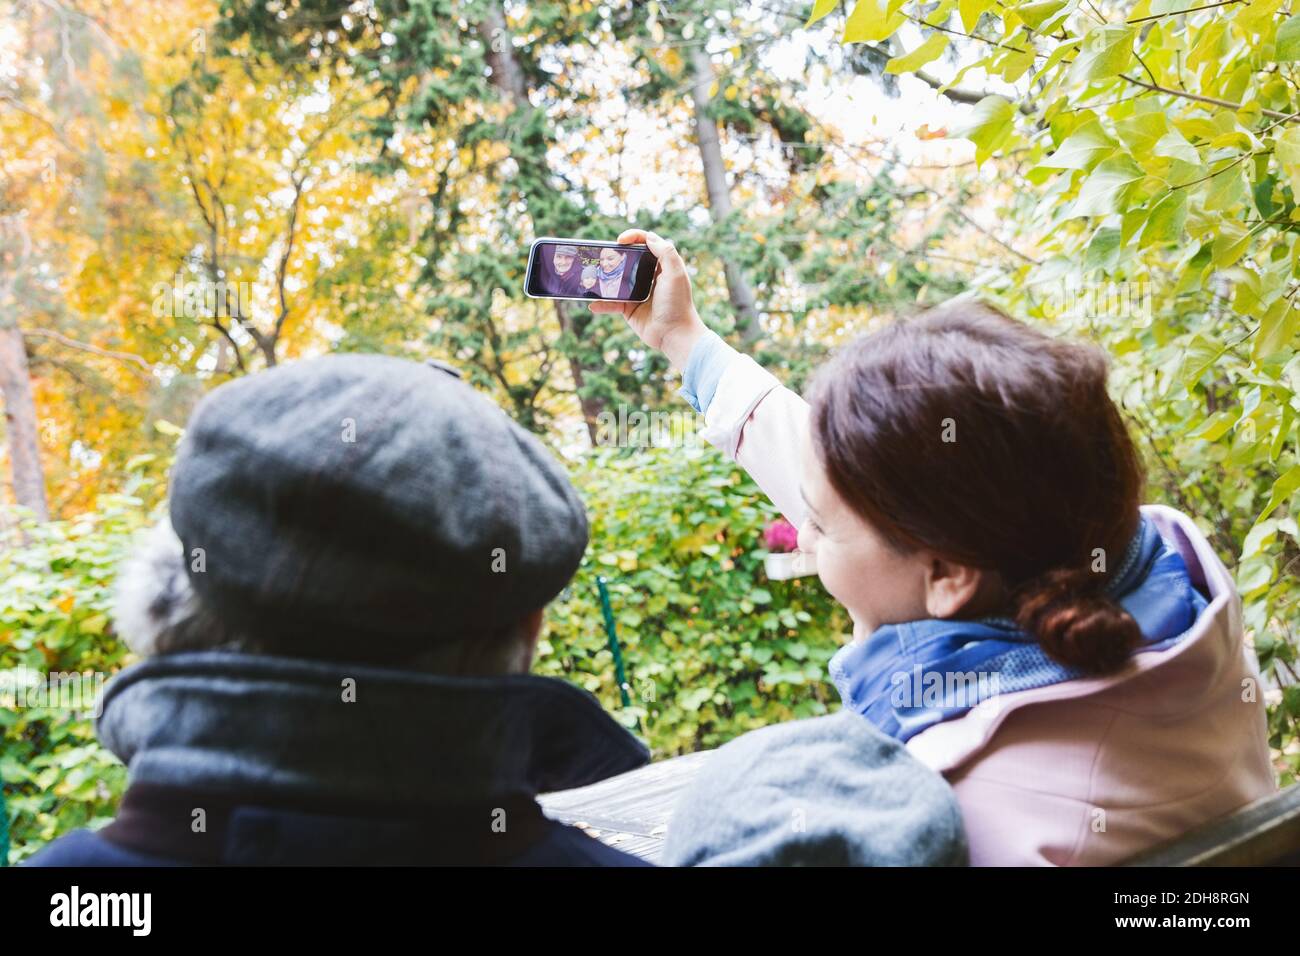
[[614, 647], [4, 829]]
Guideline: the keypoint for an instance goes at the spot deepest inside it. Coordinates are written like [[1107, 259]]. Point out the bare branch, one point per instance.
[[87, 347], [1176, 13], [1208, 100]]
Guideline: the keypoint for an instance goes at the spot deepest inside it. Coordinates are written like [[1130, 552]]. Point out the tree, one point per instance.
[[256, 148], [673, 47], [28, 476], [459, 81], [44, 117]]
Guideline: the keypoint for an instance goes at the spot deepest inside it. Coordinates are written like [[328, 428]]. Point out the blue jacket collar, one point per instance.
[[908, 677]]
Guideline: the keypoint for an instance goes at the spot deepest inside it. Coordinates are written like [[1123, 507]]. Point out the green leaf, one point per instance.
[[928, 51], [1174, 145], [1106, 189], [1216, 426], [1258, 538], [692, 700], [1082, 149], [970, 11], [1287, 150], [989, 124], [1103, 251], [1140, 133], [1283, 489], [1063, 48], [872, 20], [1106, 51], [820, 9], [1254, 575], [1287, 44], [1197, 356], [1258, 16], [1014, 65], [1226, 188], [1131, 223], [1283, 433], [1036, 13], [1277, 329], [1168, 219], [1229, 245]]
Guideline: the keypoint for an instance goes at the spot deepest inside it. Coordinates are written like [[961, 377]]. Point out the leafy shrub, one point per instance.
[[54, 620], [712, 648]]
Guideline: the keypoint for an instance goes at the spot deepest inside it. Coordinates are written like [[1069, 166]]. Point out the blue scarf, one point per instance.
[[905, 678], [617, 273]]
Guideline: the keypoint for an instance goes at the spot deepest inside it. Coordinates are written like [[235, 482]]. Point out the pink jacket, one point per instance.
[[1087, 772]]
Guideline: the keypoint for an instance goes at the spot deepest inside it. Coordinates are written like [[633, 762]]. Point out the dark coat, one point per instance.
[[245, 759], [153, 829]]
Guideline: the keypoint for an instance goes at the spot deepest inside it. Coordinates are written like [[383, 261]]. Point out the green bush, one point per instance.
[[712, 648], [54, 620]]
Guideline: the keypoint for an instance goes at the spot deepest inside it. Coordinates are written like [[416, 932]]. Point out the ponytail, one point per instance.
[[1075, 622]]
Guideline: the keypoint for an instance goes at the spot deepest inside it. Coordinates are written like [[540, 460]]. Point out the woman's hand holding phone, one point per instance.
[[666, 321]]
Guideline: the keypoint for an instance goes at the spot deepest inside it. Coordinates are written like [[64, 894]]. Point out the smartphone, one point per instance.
[[587, 269]]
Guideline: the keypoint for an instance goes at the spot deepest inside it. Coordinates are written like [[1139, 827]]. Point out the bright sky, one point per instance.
[[637, 165]]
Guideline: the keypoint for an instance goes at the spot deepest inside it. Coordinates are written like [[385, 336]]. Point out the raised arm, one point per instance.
[[749, 415]]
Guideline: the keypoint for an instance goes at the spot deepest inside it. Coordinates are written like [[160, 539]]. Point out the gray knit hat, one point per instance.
[[358, 495]]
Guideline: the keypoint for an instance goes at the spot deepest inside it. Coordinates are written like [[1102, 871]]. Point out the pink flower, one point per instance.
[[781, 536]]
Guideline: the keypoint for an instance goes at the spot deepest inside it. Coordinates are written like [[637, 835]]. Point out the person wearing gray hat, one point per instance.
[[564, 268], [337, 624]]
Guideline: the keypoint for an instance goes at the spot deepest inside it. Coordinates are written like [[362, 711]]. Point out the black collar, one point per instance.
[[296, 729]]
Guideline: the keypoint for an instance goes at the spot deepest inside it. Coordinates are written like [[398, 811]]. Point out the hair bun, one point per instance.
[[1075, 622]]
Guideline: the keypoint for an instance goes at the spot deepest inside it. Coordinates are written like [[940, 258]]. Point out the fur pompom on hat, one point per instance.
[[152, 594]]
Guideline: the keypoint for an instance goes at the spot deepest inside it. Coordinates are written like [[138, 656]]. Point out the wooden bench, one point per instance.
[[1265, 833], [631, 812]]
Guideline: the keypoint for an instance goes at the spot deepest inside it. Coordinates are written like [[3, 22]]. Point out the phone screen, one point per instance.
[[578, 269]]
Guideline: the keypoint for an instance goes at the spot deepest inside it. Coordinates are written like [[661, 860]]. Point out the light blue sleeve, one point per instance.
[[704, 367]]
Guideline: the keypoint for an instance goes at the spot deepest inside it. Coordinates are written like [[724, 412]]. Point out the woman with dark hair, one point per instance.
[[614, 278], [1072, 661]]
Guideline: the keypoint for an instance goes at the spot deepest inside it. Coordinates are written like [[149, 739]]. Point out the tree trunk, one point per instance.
[[225, 363], [509, 81], [20, 419], [591, 407], [715, 181]]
